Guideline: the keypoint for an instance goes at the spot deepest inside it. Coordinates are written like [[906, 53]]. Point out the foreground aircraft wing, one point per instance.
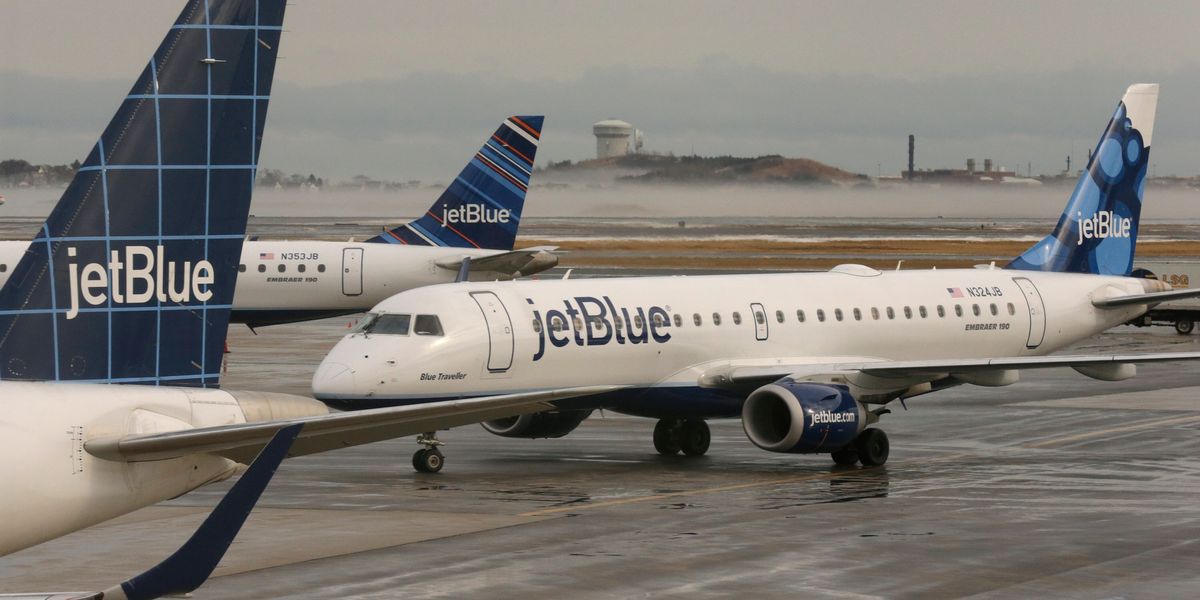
[[1153, 298], [191, 565], [329, 432], [517, 263], [1093, 365]]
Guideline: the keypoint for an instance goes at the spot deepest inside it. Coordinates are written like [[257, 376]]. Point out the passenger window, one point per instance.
[[537, 326], [657, 319], [1012, 310], [716, 318], [800, 316], [320, 268], [837, 314], [958, 310], [907, 312], [577, 323], [857, 315], [637, 321], [995, 309], [821, 315], [975, 309], [696, 319], [300, 268], [759, 317], [924, 313], [241, 268], [891, 313], [737, 318], [557, 323], [427, 325], [282, 267], [4, 267], [678, 320], [874, 313], [779, 316], [941, 311], [618, 321], [262, 268]]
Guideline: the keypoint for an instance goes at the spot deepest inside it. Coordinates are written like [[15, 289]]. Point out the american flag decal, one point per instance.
[[266, 256], [955, 292]]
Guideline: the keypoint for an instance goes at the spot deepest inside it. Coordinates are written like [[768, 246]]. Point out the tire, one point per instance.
[[694, 437], [428, 461], [1185, 326], [666, 437], [846, 457], [872, 447]]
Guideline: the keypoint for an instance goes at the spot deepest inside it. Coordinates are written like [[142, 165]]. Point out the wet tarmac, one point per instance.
[[1057, 486]]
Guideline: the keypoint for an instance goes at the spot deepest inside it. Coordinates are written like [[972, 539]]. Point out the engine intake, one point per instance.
[[552, 424], [802, 417]]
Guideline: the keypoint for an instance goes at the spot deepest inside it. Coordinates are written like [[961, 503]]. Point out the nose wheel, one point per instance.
[[429, 459], [690, 436]]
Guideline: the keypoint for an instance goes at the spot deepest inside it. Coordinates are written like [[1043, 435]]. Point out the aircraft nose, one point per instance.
[[333, 380]]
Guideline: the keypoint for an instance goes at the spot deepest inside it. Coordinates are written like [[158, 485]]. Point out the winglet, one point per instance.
[[190, 566]]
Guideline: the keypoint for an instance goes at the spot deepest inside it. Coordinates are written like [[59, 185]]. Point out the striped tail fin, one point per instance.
[[482, 206], [131, 278]]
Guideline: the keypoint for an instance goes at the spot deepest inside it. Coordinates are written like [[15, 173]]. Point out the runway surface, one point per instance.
[[1056, 486]]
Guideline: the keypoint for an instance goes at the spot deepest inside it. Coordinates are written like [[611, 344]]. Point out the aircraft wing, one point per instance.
[[242, 441], [731, 376], [517, 263]]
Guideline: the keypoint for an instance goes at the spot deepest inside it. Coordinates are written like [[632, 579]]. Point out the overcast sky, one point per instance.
[[404, 90]]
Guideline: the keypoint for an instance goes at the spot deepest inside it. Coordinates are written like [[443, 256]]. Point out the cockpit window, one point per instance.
[[384, 324], [427, 325]]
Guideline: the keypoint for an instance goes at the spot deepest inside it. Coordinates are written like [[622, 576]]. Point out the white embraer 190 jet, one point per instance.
[[113, 322], [807, 360]]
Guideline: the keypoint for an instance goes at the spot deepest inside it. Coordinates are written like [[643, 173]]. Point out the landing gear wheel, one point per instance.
[[1184, 326], [694, 437], [428, 460], [872, 447], [666, 437], [846, 457]]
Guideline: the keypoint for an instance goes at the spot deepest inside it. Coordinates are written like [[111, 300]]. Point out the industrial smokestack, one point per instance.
[[970, 165], [987, 165], [912, 145]]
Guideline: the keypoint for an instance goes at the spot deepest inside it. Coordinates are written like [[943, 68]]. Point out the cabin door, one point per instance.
[[501, 343], [1037, 312], [759, 314], [352, 277]]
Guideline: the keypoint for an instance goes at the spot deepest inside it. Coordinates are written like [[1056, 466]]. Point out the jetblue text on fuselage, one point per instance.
[[474, 213], [148, 276], [596, 315], [1104, 224]]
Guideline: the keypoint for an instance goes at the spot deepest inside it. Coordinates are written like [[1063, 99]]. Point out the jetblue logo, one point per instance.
[[1104, 224], [820, 417], [143, 276], [596, 322], [474, 213]]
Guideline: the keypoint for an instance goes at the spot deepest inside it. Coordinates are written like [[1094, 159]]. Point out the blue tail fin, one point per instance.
[[1097, 233], [482, 207], [131, 278]]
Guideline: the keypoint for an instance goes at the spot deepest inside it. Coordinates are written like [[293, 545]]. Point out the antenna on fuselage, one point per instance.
[[898, 263]]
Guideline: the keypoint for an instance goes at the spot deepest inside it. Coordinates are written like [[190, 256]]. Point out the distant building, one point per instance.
[[616, 138]]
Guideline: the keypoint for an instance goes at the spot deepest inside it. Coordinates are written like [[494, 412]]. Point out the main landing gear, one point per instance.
[[691, 436], [870, 448], [429, 459]]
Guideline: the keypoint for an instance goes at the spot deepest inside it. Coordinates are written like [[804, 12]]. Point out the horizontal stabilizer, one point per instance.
[[509, 265], [1154, 298], [332, 431]]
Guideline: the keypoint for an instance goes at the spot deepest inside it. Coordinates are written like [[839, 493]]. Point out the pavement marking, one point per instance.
[[1126, 428]]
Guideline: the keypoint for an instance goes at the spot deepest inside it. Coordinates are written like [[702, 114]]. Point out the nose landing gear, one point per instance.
[[429, 459]]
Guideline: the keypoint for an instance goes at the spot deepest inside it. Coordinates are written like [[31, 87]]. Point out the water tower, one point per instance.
[[615, 138]]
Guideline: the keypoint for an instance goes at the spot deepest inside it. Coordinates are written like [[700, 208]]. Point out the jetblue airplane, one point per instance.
[[807, 360], [282, 281], [130, 282]]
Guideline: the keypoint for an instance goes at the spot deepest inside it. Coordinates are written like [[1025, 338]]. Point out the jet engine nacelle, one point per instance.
[[552, 424], [802, 417]]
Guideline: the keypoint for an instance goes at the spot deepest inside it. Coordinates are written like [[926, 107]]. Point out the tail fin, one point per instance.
[[482, 207], [1097, 233], [131, 278]]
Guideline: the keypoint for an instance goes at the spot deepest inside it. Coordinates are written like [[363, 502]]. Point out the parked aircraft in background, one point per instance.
[[807, 360], [130, 281], [285, 281]]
